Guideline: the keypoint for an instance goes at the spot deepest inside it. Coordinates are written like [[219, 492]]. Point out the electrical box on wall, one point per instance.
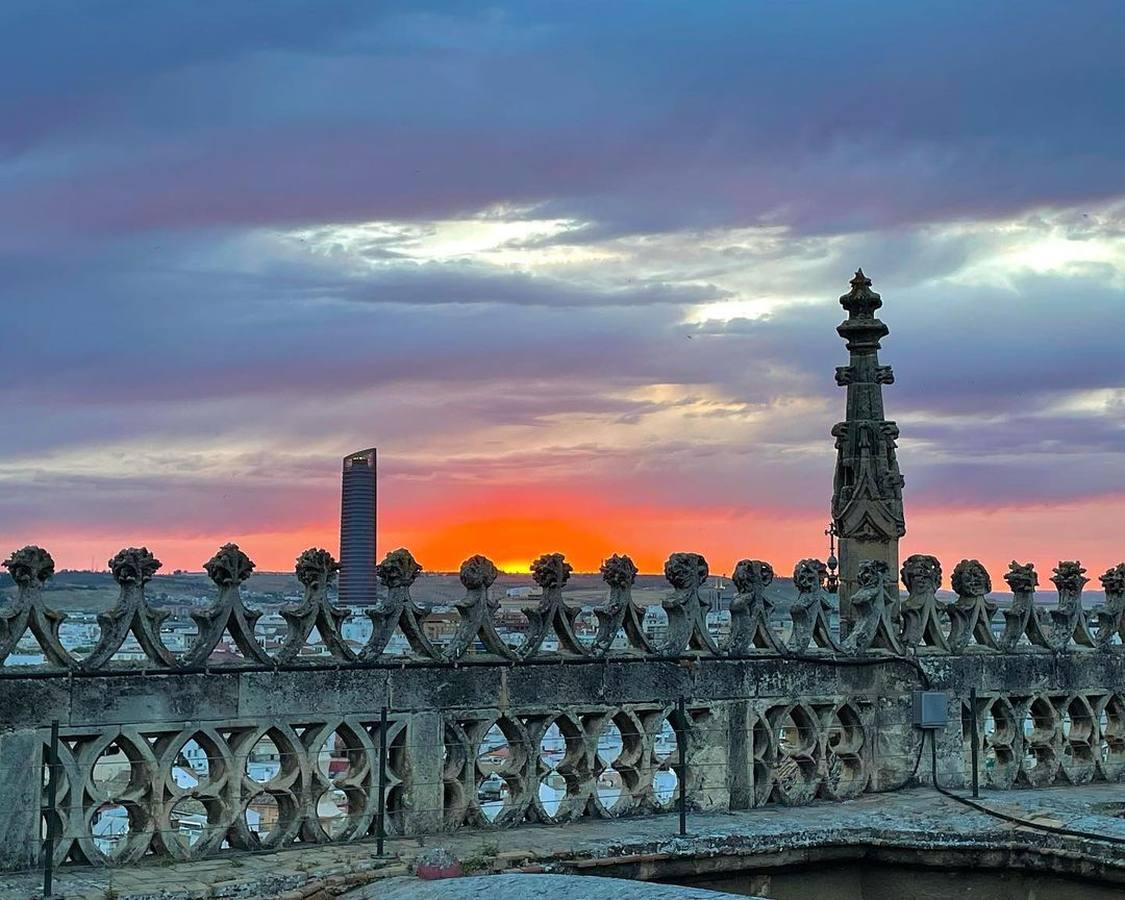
[[931, 709]]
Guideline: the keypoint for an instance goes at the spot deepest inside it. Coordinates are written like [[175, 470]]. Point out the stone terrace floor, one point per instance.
[[916, 820]]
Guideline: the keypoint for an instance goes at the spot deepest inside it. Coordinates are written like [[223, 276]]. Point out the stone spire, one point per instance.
[[867, 490]]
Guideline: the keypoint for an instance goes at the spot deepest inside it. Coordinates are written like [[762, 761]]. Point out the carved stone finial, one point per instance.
[[397, 610], [133, 565], [619, 571], [476, 610], [750, 574], [921, 572], [686, 570], [30, 568], [809, 612], [970, 618], [1021, 577], [398, 569], [1108, 619], [971, 579], [478, 572], [874, 628], [551, 570], [861, 300], [809, 574], [229, 566], [30, 564], [921, 624], [1069, 576], [872, 572], [750, 610], [1113, 579], [316, 566]]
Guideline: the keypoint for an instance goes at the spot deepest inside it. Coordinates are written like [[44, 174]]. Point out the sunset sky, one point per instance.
[[573, 267]]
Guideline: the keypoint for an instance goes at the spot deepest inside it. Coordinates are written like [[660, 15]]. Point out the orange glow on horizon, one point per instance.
[[587, 534]]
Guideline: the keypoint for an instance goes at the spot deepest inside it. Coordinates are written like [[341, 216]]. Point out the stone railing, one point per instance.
[[920, 623], [179, 756]]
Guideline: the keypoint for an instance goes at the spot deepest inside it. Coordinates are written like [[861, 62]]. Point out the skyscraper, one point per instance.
[[357, 528]]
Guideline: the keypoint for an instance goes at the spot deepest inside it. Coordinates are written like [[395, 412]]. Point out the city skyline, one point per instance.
[[574, 270]]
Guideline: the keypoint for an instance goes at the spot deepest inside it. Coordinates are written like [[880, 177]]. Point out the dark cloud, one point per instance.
[[155, 157], [643, 117]]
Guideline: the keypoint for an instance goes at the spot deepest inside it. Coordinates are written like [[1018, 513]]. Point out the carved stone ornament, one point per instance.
[[1022, 620], [619, 613], [921, 626], [31, 568], [477, 610], [970, 618], [809, 611], [686, 608], [397, 572], [873, 629], [750, 610], [132, 569], [1108, 620], [1068, 619], [316, 570], [551, 572], [228, 569]]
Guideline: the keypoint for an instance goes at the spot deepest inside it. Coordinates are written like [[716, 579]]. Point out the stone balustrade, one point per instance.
[[920, 623], [182, 756]]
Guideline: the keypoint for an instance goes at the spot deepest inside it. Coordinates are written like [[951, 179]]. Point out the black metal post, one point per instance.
[[976, 742], [381, 833], [49, 811], [683, 742]]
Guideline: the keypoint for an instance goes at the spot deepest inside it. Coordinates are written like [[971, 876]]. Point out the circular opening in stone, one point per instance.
[[192, 766], [609, 780], [263, 764], [109, 828], [262, 815], [113, 771], [334, 759], [665, 752], [333, 809], [493, 757], [189, 820]]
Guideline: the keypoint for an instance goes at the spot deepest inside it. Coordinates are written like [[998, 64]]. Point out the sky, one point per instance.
[[572, 267]]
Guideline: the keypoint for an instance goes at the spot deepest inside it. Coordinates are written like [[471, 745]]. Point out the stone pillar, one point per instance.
[[867, 489], [21, 759], [425, 738]]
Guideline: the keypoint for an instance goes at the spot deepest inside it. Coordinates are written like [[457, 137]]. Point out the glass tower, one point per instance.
[[357, 528]]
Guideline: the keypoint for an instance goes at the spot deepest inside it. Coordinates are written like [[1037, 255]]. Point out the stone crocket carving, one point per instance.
[[1022, 618], [1068, 619], [551, 572], [686, 608], [970, 618], [31, 568], [873, 629], [397, 572], [619, 612], [809, 611], [228, 569], [750, 610], [132, 569], [316, 569], [1108, 619], [921, 575], [477, 610]]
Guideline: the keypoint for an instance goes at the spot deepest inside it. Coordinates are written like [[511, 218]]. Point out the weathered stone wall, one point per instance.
[[759, 731]]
